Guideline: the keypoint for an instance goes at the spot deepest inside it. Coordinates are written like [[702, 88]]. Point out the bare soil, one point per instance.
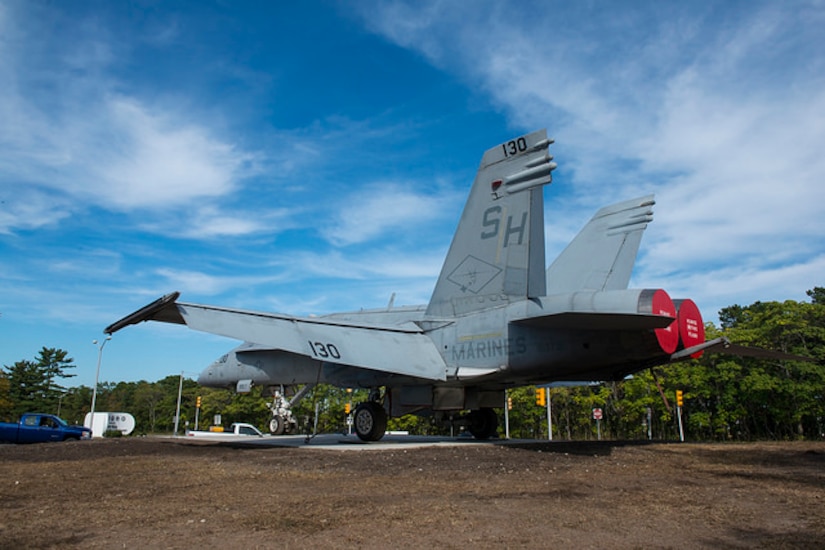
[[164, 493]]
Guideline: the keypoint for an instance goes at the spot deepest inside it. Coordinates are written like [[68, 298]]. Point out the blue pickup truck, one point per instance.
[[38, 428]]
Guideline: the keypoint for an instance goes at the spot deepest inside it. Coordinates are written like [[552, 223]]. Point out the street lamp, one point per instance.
[[60, 400], [177, 411], [97, 375]]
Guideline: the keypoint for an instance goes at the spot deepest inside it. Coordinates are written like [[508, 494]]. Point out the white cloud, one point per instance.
[[210, 221], [31, 209], [381, 208], [368, 264], [118, 154], [714, 288], [156, 160], [74, 133], [334, 282], [122, 154], [205, 284]]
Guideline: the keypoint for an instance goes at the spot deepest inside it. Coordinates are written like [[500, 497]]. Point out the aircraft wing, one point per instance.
[[723, 345], [399, 349]]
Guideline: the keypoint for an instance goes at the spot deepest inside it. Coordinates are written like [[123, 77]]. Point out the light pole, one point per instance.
[[97, 375], [60, 401], [177, 411]]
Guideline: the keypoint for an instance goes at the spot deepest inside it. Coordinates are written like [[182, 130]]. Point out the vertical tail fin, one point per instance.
[[602, 255], [497, 253]]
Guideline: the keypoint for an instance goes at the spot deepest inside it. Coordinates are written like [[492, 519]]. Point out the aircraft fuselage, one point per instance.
[[514, 343]]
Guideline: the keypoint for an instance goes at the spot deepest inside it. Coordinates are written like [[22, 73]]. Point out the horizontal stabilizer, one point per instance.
[[723, 345]]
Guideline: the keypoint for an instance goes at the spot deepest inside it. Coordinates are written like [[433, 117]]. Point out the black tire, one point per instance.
[[482, 423], [277, 425], [370, 421]]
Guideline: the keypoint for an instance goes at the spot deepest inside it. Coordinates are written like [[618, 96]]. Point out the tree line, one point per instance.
[[725, 397]]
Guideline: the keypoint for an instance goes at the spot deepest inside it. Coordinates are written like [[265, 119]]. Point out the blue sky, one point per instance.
[[311, 157]]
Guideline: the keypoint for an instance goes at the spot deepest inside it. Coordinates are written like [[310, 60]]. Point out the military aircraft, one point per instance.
[[496, 319]]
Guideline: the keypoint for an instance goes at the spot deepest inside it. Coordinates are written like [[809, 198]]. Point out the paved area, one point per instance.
[[348, 442]]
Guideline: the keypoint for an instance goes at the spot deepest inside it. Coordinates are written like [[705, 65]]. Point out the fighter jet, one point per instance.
[[497, 318]]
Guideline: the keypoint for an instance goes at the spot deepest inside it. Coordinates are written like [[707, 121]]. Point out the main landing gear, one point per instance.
[[370, 421], [482, 423], [370, 418]]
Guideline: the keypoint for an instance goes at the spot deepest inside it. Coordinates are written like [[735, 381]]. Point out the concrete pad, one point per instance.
[[343, 441]]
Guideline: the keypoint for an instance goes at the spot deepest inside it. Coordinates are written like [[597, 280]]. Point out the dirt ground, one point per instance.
[[165, 493]]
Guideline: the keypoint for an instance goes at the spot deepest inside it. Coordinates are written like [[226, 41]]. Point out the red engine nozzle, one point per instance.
[[668, 336], [691, 326]]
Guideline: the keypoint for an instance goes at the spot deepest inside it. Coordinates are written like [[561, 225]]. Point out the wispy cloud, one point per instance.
[[381, 209], [381, 262], [155, 160], [210, 221], [120, 154], [89, 142], [31, 210], [207, 284]]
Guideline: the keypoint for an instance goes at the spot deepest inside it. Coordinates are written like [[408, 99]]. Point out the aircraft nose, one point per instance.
[[212, 373], [206, 375]]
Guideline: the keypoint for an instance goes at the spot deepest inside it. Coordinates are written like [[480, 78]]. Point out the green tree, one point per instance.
[[53, 363], [527, 419], [747, 398], [27, 387], [6, 404], [817, 295], [75, 404], [33, 386], [147, 400]]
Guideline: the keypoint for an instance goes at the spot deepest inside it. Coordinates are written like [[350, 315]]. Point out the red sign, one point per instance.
[[597, 414]]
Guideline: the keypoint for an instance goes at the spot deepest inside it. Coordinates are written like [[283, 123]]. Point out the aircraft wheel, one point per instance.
[[370, 421], [277, 425], [483, 423]]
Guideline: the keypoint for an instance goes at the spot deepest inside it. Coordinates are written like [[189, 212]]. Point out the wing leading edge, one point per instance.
[[398, 349]]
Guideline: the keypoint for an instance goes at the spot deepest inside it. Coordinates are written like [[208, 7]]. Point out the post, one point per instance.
[[597, 416], [60, 401], [506, 414], [97, 376], [549, 417], [197, 411], [177, 413], [681, 427], [649, 424], [349, 400], [679, 402]]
